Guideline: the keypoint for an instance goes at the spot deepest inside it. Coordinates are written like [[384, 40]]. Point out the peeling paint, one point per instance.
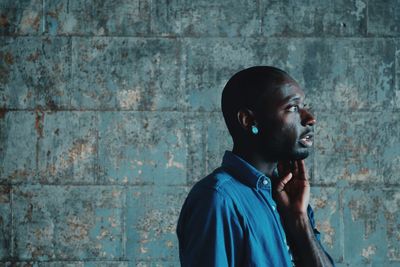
[[360, 5], [328, 232], [172, 163], [80, 149], [368, 252], [30, 19], [129, 98], [348, 94], [392, 205]]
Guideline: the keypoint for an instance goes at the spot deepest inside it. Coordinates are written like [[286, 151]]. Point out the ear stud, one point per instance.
[[254, 129]]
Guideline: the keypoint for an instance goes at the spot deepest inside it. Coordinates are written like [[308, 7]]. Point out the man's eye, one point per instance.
[[294, 108]]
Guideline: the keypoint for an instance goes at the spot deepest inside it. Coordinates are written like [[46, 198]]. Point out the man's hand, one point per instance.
[[292, 195], [292, 190]]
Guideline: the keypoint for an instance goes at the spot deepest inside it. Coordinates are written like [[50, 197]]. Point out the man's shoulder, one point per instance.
[[213, 193], [218, 181], [218, 185]]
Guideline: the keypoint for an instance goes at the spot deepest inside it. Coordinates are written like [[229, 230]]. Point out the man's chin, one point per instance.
[[299, 155]]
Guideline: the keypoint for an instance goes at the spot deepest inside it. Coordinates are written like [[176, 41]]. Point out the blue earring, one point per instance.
[[254, 129]]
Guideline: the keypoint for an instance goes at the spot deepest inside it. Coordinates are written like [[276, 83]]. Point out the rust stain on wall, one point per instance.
[[39, 121], [33, 57], [8, 58], [4, 23], [3, 112]]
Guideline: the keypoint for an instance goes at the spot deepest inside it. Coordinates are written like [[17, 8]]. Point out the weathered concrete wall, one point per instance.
[[110, 112]]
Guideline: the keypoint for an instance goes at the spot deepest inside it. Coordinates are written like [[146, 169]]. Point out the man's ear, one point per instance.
[[246, 118]]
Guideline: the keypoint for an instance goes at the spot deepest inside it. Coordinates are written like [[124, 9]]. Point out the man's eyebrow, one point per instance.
[[291, 98]]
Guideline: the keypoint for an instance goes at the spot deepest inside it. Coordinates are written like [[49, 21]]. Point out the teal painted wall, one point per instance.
[[110, 113]]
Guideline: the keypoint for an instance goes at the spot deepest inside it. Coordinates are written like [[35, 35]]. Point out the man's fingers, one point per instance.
[[280, 168], [283, 168], [295, 169], [281, 185], [287, 166], [302, 170]]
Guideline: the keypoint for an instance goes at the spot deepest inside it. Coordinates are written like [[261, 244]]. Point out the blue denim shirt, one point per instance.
[[230, 219]]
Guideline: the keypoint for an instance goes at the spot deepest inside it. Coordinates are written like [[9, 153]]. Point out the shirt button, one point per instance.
[[273, 208], [265, 182]]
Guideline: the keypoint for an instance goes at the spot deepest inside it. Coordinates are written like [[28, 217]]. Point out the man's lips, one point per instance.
[[306, 139]]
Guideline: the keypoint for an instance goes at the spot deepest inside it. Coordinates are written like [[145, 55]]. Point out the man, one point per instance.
[[254, 209]]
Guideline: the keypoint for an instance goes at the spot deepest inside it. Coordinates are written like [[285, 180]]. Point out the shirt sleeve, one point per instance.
[[317, 234], [209, 231]]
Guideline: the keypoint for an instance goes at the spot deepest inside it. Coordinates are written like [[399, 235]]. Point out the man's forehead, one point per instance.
[[285, 92], [289, 89]]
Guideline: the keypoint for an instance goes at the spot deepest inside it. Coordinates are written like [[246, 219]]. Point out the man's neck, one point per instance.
[[255, 160]]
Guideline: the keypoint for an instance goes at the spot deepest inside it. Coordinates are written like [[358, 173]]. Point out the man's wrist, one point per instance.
[[297, 226]]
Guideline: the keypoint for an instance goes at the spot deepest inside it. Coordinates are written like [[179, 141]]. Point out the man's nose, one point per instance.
[[307, 118]]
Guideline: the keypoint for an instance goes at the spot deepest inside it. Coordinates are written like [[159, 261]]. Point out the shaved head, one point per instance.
[[246, 89]]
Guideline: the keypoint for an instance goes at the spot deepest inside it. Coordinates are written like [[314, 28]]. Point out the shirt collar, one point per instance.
[[245, 172]]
